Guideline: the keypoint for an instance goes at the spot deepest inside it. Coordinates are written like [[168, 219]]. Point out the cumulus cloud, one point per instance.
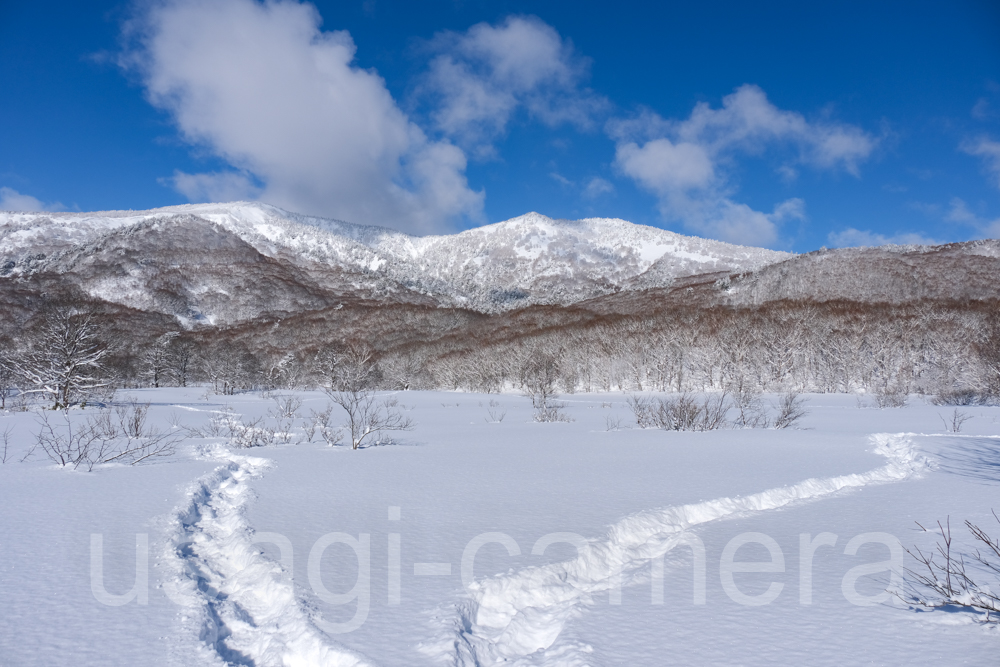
[[12, 200], [989, 151], [478, 79], [264, 88], [685, 162], [722, 218], [850, 237], [666, 167]]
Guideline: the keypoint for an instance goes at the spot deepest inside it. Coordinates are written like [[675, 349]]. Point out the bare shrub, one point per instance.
[[132, 417], [5, 436], [954, 423], [551, 411], [287, 406], [240, 433], [496, 415], [642, 410], [216, 427], [749, 407], [791, 408], [612, 423], [319, 422], [943, 578], [246, 434], [368, 417], [890, 397], [682, 413], [962, 397], [107, 436]]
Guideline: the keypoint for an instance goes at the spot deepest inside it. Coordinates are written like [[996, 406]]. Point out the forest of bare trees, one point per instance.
[[950, 350]]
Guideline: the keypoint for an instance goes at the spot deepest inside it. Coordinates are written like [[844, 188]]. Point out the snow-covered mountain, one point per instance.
[[223, 263]]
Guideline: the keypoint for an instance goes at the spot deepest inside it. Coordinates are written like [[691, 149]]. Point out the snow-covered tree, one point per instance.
[[156, 360], [64, 361]]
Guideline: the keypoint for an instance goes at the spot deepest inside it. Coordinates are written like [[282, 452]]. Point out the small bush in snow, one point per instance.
[[683, 413], [5, 436], [319, 422], [890, 397], [944, 578], [496, 415], [963, 397], [368, 418], [954, 423], [118, 435], [791, 408]]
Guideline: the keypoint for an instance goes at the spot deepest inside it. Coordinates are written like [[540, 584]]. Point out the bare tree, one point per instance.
[[179, 360], [352, 368], [65, 361], [541, 373], [156, 359], [8, 376]]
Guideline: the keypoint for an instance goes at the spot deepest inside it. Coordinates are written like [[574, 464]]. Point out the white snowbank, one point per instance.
[[513, 617], [241, 604]]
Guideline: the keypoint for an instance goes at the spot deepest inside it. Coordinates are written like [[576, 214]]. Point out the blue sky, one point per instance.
[[783, 124]]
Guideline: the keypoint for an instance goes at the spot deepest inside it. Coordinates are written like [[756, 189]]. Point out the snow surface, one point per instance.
[[561, 514]]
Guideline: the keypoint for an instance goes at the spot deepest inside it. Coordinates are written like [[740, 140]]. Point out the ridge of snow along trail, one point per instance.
[[517, 618], [240, 604]]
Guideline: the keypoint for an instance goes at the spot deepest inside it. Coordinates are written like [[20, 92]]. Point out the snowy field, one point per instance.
[[475, 542]]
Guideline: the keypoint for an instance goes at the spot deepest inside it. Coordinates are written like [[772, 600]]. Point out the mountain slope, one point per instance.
[[225, 263]]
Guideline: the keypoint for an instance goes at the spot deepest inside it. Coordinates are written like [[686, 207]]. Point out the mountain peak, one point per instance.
[[518, 262]]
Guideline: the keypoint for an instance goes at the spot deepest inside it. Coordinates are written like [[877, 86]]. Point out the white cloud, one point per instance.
[[959, 212], [12, 200], [596, 187], [562, 180], [738, 223], [684, 163], [990, 152], [981, 109], [261, 86], [851, 237], [665, 167], [748, 121], [220, 186], [479, 78]]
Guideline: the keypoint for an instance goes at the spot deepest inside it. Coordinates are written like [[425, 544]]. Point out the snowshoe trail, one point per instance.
[[517, 618], [238, 602]]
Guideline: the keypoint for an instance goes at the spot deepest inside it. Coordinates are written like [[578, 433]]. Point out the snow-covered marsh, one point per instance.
[[470, 540]]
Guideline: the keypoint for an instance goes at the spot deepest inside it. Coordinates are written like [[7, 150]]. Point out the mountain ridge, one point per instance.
[[528, 260]]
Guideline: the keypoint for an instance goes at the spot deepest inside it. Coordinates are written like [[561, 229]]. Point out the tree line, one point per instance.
[[67, 354]]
